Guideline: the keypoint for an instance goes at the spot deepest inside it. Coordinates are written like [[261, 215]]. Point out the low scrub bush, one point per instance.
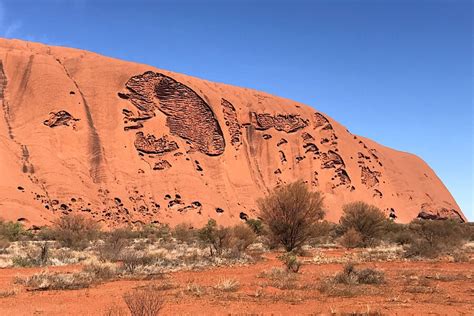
[[351, 239], [291, 262], [184, 233], [144, 302], [38, 256], [368, 220], [351, 275], [131, 260], [4, 244], [11, 231], [217, 238], [434, 238], [241, 238], [256, 225], [228, 285], [74, 231], [114, 244], [57, 281]]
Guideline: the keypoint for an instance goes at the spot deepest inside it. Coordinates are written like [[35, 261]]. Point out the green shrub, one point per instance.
[[11, 231], [368, 220], [256, 225], [291, 262], [217, 238], [290, 212]]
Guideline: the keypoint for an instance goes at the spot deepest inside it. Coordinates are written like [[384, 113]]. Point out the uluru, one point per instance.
[[127, 143]]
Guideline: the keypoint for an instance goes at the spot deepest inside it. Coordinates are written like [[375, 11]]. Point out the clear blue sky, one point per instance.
[[399, 72]]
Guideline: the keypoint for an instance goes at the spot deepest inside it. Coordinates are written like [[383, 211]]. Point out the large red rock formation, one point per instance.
[[128, 143]]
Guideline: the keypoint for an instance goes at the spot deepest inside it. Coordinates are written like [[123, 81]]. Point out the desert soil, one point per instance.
[[411, 288]]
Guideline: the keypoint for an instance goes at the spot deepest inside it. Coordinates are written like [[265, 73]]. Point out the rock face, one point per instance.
[[128, 143]]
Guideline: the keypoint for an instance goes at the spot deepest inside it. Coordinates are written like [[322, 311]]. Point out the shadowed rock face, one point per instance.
[[126, 143]]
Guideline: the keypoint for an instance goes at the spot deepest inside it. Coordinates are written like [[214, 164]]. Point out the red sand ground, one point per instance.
[[453, 296], [69, 142]]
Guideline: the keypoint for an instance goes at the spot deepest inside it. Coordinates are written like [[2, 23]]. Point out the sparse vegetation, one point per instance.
[[291, 212]]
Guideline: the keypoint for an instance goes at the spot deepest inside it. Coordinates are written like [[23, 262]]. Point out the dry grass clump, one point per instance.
[[227, 285], [280, 278], [144, 302], [37, 256], [8, 292], [351, 281], [195, 289], [351, 275], [46, 280], [101, 271]]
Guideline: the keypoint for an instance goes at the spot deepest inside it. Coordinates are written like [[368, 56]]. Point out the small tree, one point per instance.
[[218, 238], [368, 220], [291, 212]]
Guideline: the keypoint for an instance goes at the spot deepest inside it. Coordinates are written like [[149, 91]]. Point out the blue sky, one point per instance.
[[399, 72]]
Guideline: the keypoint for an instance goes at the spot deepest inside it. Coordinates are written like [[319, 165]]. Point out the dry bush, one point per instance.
[[7, 293], [57, 281], [228, 285], [460, 256], [11, 231], [4, 244], [290, 213], [185, 233], [368, 220], [131, 260], [114, 244], [324, 233], [38, 256], [217, 238], [280, 278], [75, 231], [115, 311], [241, 238], [195, 289], [101, 270], [291, 262], [351, 238], [144, 302], [350, 275], [434, 238]]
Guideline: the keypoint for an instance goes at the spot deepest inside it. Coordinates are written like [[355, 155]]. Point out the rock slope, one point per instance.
[[129, 143]]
